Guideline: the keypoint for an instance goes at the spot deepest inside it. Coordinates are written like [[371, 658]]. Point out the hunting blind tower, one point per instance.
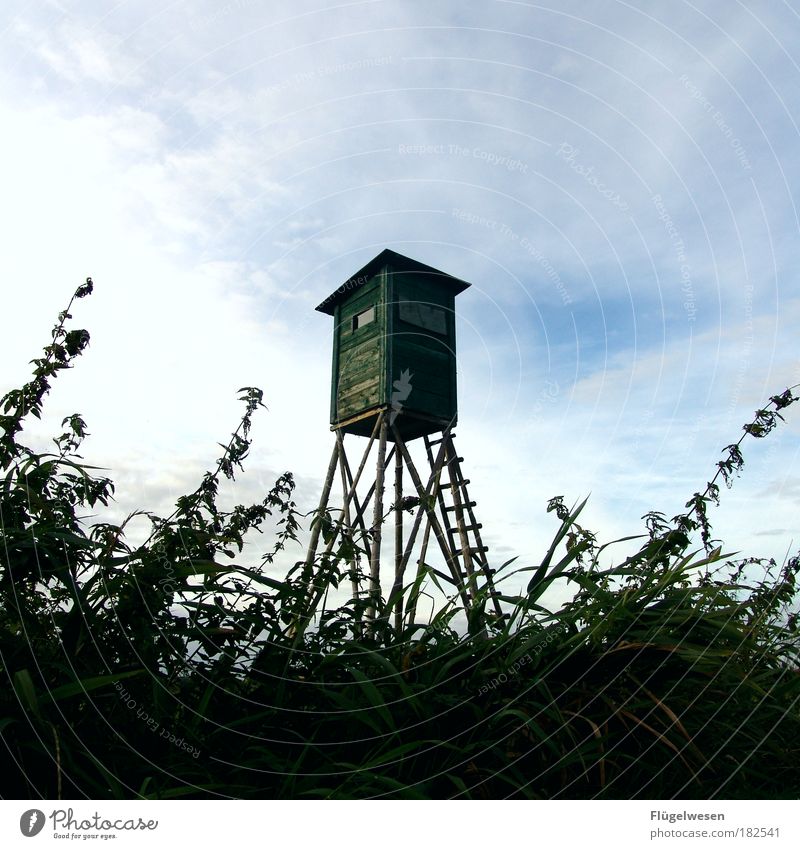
[[394, 317], [394, 381]]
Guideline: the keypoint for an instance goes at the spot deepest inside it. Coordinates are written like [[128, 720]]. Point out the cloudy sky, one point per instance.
[[617, 180]]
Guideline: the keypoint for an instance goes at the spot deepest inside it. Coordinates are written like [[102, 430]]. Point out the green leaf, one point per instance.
[[5, 722], [541, 572], [374, 696], [88, 684], [26, 691], [272, 583]]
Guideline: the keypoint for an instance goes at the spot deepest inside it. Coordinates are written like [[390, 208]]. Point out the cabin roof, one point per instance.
[[398, 262]]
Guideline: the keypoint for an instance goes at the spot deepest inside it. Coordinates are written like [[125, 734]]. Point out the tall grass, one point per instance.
[[168, 669]]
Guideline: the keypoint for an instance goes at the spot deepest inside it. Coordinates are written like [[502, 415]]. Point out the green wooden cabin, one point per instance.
[[394, 347]]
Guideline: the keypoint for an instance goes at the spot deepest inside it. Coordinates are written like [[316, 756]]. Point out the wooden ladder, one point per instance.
[[460, 524]]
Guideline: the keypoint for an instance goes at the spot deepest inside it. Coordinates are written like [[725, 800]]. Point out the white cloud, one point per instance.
[[78, 53]]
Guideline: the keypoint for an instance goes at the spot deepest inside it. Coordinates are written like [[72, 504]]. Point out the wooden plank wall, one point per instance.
[[360, 380]]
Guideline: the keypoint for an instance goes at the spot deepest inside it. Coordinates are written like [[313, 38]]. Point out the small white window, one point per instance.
[[363, 318]]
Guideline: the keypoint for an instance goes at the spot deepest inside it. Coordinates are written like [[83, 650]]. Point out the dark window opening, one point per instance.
[[424, 315]]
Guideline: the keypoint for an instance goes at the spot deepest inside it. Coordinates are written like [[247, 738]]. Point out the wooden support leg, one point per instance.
[[316, 528], [348, 527], [398, 541], [350, 494], [323, 503], [431, 491], [337, 528], [361, 511], [411, 604], [314, 594], [377, 522]]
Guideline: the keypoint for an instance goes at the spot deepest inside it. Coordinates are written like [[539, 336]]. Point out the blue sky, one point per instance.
[[617, 180]]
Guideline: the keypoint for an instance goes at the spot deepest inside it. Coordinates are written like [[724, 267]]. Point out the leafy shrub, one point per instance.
[[166, 669]]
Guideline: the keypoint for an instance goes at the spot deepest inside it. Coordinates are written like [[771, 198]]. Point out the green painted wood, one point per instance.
[[335, 364], [357, 381], [413, 331]]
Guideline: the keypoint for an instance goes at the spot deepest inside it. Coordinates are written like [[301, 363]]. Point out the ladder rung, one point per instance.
[[454, 460], [466, 528], [440, 441], [457, 483], [442, 575], [464, 506], [473, 549]]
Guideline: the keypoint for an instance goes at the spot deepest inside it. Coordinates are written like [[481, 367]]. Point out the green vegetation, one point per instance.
[[167, 670]]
